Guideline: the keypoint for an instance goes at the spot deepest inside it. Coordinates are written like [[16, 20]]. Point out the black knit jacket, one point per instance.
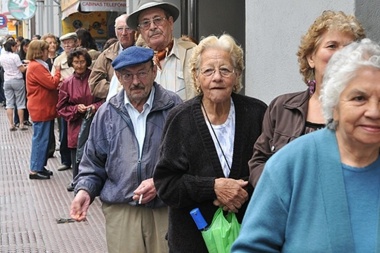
[[188, 165]]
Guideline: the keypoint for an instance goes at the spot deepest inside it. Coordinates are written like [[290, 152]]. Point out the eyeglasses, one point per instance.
[[79, 62], [128, 77], [122, 29], [224, 72], [68, 43], [145, 24]]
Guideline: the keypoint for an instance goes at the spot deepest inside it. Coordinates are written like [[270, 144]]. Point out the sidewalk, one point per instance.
[[29, 208]]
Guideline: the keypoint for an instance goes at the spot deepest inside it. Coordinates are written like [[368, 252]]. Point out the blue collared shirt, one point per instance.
[[139, 119]]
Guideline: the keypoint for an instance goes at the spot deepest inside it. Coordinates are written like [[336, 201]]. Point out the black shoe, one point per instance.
[[70, 187], [63, 167], [28, 123], [38, 175], [47, 172]]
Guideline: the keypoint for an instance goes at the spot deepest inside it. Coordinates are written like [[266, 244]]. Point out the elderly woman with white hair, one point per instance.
[[207, 143], [321, 192]]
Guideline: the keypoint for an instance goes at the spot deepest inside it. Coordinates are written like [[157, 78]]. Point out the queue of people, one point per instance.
[[216, 146], [170, 132]]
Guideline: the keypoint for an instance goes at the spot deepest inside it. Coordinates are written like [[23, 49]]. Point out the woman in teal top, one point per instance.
[[320, 193]]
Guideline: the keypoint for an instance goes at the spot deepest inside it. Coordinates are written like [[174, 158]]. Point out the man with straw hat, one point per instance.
[[154, 20]]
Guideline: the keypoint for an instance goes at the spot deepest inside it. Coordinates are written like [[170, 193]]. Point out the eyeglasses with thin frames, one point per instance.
[[223, 71], [145, 24], [122, 29], [141, 75]]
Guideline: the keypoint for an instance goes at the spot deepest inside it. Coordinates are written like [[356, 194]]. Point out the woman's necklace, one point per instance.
[[216, 137]]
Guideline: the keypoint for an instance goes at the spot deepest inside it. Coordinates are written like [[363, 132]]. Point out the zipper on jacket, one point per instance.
[[139, 172]]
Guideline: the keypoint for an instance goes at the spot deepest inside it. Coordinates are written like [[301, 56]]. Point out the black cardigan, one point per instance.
[[188, 165]]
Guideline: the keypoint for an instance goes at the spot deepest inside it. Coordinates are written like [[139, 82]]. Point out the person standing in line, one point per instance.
[[74, 99], [120, 156], [207, 142], [69, 42], [14, 86], [102, 71], [86, 41], [292, 115], [154, 20], [51, 39], [42, 99], [19, 39], [321, 192], [22, 53]]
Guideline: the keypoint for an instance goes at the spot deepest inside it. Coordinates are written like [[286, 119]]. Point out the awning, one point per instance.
[[93, 5]]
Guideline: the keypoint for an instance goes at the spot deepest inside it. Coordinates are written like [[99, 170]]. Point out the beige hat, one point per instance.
[[133, 18], [67, 36]]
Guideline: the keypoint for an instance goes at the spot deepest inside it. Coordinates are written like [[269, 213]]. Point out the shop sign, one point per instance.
[[88, 6], [22, 9], [3, 21], [4, 31]]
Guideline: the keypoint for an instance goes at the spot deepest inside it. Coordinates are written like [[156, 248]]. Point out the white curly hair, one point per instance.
[[341, 69]]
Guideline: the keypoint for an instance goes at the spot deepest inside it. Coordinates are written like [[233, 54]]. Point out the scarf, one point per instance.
[[160, 55]]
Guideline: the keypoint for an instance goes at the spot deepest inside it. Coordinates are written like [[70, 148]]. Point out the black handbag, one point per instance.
[[83, 134]]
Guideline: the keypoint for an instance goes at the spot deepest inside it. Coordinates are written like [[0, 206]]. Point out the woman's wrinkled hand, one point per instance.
[[230, 193], [82, 108]]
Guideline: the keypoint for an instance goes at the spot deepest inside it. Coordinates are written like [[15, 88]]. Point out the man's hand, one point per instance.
[[147, 190], [80, 205]]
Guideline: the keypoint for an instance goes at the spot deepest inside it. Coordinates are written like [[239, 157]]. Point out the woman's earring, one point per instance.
[[311, 84]]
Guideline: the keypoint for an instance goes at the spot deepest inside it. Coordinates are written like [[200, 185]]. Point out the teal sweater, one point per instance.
[[300, 204]]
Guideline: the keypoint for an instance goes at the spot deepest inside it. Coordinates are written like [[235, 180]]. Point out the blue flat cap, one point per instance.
[[132, 56]]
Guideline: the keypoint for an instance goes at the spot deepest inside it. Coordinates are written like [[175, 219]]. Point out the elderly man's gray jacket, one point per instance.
[[110, 167]]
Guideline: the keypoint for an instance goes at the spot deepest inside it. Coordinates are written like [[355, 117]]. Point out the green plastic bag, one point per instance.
[[222, 232]]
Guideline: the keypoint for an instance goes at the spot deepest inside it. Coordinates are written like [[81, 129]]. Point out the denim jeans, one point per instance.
[[40, 143], [63, 149]]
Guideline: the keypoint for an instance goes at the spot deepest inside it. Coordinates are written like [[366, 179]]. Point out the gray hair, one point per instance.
[[341, 69], [225, 42]]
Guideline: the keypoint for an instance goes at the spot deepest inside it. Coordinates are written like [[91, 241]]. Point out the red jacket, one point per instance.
[[42, 92]]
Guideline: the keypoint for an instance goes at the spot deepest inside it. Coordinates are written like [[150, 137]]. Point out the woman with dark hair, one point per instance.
[[86, 41], [14, 86], [23, 49], [22, 53], [74, 99]]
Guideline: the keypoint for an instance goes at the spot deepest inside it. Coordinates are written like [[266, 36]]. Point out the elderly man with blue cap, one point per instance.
[[120, 156]]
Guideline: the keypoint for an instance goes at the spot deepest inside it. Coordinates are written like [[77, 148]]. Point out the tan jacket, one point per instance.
[[102, 71], [61, 61], [185, 51], [175, 75]]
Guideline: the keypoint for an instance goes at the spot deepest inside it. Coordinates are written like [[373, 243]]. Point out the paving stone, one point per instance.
[[29, 208]]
